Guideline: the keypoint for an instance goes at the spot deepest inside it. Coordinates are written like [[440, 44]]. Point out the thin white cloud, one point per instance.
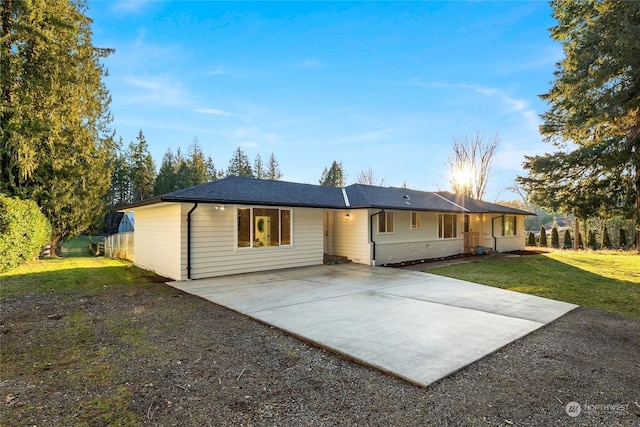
[[249, 144], [366, 137], [508, 102], [157, 90], [311, 63], [542, 58], [252, 136], [223, 71], [213, 112], [132, 6]]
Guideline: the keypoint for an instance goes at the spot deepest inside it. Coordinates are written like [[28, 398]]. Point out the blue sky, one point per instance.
[[380, 85]]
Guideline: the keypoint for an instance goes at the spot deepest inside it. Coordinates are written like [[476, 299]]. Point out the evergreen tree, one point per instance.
[[142, 170], [258, 168], [543, 237], [622, 239], [177, 172], [212, 172], [592, 240], [593, 113], [239, 165], [273, 169], [555, 238], [531, 241], [567, 240], [606, 241], [334, 176], [197, 170], [182, 173], [166, 179], [120, 193], [55, 145]]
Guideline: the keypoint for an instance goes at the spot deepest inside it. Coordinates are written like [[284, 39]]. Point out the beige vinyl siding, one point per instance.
[[157, 239], [350, 237], [510, 243], [409, 244], [214, 251]]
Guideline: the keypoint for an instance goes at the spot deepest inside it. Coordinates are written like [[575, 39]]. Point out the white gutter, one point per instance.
[[455, 204]]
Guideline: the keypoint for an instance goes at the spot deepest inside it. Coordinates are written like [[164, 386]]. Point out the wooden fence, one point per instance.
[[119, 246]]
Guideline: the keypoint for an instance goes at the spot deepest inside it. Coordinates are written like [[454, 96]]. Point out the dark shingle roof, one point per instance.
[[404, 199], [480, 206], [252, 191], [369, 196]]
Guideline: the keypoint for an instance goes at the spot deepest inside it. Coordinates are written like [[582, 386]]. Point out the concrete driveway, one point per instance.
[[418, 326]]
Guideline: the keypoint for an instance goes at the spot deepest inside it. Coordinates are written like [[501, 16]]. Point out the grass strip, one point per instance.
[[605, 281]]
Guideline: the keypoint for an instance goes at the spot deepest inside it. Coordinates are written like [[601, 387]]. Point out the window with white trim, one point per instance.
[[447, 226], [416, 220], [385, 222], [509, 225], [263, 227]]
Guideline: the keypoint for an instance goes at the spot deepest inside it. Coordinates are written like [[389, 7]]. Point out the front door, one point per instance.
[[263, 231]]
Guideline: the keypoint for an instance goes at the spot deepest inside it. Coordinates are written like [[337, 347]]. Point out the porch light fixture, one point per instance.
[[220, 207], [347, 216]]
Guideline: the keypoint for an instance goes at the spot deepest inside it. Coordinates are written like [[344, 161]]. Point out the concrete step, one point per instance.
[[335, 259]]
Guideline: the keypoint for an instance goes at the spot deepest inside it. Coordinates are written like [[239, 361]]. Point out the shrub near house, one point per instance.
[[24, 230]]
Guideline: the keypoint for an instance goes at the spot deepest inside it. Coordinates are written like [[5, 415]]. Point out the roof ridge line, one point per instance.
[[346, 197], [453, 203]]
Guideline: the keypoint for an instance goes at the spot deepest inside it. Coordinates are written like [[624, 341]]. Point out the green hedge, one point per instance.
[[24, 230]]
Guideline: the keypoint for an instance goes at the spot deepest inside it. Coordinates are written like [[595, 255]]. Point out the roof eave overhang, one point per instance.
[[163, 199]]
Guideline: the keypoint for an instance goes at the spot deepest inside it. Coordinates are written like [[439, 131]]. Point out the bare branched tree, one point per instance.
[[368, 177], [470, 164]]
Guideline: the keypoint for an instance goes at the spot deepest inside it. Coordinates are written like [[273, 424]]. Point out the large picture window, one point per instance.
[[447, 226], [263, 227], [509, 225], [385, 222]]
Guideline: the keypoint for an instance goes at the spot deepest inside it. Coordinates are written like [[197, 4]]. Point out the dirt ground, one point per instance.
[[151, 355]]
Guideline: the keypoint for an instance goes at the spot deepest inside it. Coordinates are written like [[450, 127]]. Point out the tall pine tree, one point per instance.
[[142, 170], [333, 176], [55, 145], [259, 169], [594, 113], [273, 169], [166, 179], [239, 165]]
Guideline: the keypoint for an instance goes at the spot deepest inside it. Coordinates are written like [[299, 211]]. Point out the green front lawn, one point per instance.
[[608, 281], [75, 274]]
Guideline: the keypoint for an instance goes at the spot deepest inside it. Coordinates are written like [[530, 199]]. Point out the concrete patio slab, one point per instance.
[[418, 326]]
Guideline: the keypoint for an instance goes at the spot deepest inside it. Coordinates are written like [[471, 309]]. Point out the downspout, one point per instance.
[[195, 206], [493, 234], [371, 233]]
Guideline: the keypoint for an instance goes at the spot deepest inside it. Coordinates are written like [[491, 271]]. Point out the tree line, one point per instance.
[[134, 177], [603, 239], [57, 147]]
